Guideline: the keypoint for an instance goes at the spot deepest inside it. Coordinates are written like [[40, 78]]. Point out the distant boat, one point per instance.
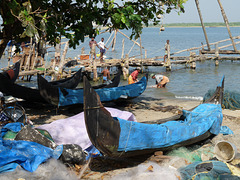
[[64, 97]]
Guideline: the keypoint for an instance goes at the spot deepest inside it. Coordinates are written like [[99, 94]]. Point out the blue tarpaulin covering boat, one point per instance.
[[65, 97], [117, 137]]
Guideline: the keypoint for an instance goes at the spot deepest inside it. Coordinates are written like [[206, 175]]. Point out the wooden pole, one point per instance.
[[114, 40], [131, 48], [124, 68], [95, 76], [195, 48], [34, 60], [216, 51], [29, 55], [228, 45], [130, 39], [227, 25], [62, 61], [9, 55], [203, 27], [168, 63], [141, 52], [122, 49], [92, 52]]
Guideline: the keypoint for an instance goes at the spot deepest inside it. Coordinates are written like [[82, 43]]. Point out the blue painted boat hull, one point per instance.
[[71, 96]]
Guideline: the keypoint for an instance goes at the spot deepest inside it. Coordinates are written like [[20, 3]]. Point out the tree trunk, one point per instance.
[[3, 45]]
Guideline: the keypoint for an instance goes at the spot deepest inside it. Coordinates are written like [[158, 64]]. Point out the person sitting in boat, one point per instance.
[[106, 75], [161, 80], [133, 77]]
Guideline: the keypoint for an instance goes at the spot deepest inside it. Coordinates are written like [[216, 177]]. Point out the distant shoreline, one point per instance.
[[211, 25]]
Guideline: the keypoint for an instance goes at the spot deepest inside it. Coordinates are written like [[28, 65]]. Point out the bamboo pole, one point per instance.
[[130, 39], [63, 58], [195, 48], [216, 50], [131, 48], [228, 45], [27, 66], [109, 38], [9, 55], [114, 40], [34, 61], [168, 63], [227, 24], [22, 59], [203, 27], [141, 52], [95, 76]]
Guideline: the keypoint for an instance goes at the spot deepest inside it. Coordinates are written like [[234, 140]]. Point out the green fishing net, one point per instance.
[[193, 154], [231, 100]]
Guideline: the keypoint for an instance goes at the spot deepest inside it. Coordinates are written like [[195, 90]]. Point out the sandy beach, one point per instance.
[[144, 109]]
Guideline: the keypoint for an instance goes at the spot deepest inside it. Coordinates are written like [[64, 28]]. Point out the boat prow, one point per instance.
[[97, 115]]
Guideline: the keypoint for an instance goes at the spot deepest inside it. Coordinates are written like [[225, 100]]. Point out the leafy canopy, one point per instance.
[[75, 19]]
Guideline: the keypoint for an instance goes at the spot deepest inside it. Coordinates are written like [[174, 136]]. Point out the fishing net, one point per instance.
[[231, 99], [209, 170], [194, 154]]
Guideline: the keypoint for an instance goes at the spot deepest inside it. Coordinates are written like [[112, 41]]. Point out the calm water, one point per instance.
[[184, 83]]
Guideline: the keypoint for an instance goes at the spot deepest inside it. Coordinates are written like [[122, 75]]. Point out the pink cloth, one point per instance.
[[72, 130]]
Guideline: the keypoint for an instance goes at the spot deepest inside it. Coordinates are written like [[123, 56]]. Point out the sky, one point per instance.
[[210, 11]]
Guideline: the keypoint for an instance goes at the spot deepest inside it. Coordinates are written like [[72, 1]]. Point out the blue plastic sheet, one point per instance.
[[138, 136], [106, 94], [225, 130], [29, 155]]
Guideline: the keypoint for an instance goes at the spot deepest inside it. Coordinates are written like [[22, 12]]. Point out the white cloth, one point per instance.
[[158, 78], [101, 44], [73, 130]]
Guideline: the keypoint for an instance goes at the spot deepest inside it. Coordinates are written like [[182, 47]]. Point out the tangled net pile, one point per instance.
[[231, 100]]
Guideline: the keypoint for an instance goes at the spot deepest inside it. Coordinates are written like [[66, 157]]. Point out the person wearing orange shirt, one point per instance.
[[133, 76]]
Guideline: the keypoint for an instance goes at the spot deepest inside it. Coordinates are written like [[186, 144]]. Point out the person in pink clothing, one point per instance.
[[133, 76]]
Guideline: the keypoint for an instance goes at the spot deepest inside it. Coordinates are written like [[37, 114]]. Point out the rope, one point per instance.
[[97, 107]]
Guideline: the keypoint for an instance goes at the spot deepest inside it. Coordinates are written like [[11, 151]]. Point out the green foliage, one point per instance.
[[75, 19]]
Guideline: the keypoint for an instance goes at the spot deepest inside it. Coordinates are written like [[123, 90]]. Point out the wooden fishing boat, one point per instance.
[[13, 72], [117, 138], [65, 97], [71, 82], [33, 95]]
